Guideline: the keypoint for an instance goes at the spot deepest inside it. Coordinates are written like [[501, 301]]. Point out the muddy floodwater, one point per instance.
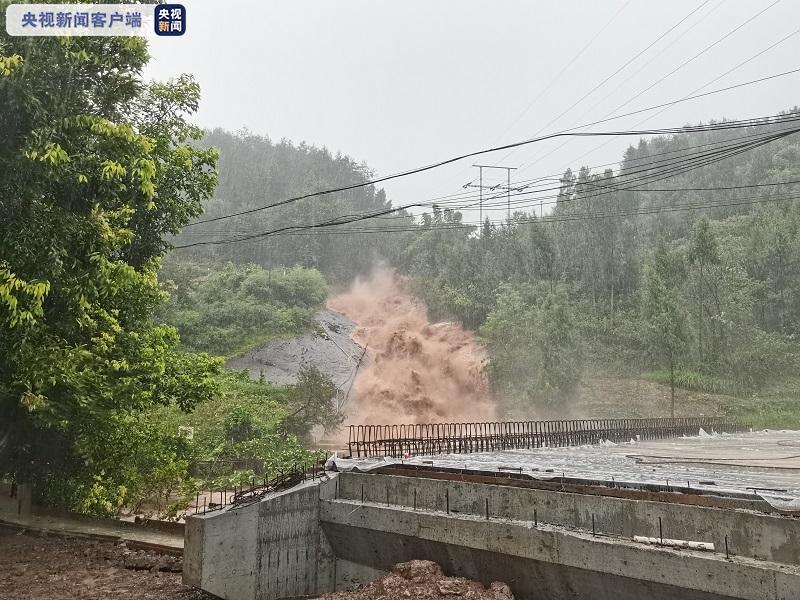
[[420, 372]]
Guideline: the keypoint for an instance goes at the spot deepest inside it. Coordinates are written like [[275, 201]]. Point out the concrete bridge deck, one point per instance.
[[545, 543]]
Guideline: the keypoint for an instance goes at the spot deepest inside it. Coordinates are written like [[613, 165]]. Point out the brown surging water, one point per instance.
[[419, 372]]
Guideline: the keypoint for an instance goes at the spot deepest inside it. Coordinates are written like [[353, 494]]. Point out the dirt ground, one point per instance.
[[38, 567], [423, 580], [35, 566]]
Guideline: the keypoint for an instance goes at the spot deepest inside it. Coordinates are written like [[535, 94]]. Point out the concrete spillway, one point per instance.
[[546, 542]]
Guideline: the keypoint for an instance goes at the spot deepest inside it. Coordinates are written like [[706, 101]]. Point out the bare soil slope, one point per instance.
[[331, 349]]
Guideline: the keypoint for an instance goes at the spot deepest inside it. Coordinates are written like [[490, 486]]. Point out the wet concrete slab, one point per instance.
[[766, 463]]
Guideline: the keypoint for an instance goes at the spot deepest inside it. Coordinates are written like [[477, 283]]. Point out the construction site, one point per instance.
[[392, 300], [661, 515], [689, 507]]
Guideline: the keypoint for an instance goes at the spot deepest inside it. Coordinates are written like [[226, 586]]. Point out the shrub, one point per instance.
[[224, 310]]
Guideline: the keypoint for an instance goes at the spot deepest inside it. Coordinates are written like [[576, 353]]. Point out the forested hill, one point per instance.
[[253, 172], [724, 158], [696, 286], [682, 263], [736, 178]]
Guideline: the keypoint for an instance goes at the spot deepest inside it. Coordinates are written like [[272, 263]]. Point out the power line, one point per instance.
[[560, 73], [569, 64], [474, 224], [677, 166], [612, 186], [719, 146], [552, 219], [696, 56], [654, 57], [614, 74], [338, 221], [565, 133], [686, 160], [444, 202], [728, 72], [480, 185], [552, 176]]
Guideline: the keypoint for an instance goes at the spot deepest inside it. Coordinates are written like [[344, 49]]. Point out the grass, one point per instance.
[[692, 380], [767, 414], [774, 407]]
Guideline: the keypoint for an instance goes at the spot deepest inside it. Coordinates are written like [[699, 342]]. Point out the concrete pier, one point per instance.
[[270, 549]]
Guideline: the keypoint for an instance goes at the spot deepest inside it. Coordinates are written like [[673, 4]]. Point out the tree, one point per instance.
[[227, 309], [240, 432], [534, 348], [560, 347], [774, 251], [253, 168], [702, 253], [312, 403], [95, 168], [663, 316]]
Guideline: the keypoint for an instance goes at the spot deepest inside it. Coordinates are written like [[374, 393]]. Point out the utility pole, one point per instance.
[[480, 188], [508, 194]]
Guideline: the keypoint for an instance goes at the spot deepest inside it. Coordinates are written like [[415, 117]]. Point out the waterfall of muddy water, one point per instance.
[[420, 372]]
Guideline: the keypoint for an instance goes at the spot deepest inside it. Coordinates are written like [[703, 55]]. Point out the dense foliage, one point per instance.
[[250, 429], [254, 172], [225, 309], [101, 171], [646, 288], [96, 166], [534, 349], [144, 460]]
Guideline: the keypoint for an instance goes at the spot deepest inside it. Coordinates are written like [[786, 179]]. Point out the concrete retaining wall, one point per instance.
[[766, 537], [530, 580], [547, 563]]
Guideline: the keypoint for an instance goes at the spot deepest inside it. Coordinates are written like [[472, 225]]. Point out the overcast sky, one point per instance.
[[401, 83]]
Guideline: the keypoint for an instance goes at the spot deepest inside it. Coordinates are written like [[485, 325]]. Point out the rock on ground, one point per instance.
[[423, 580]]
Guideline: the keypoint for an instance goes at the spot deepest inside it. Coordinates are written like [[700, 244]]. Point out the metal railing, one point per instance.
[[447, 438], [255, 488]]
